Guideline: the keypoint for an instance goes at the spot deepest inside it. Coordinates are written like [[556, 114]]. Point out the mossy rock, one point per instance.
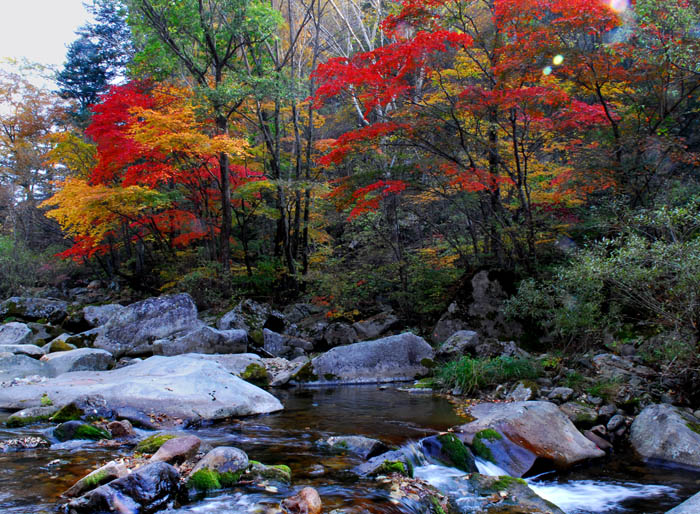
[[479, 446], [76, 430], [395, 466], [259, 471], [306, 374], [257, 337], [207, 479], [153, 443], [455, 453], [256, 374], [69, 412], [60, 346], [30, 416]]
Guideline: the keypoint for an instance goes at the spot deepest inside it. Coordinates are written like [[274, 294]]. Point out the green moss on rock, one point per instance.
[[306, 374], [153, 443], [457, 452], [480, 447], [60, 346], [68, 412], [91, 432], [505, 481], [256, 374], [393, 466], [208, 480]]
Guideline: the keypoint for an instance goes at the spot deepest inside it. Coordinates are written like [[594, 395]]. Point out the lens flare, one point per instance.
[[558, 59], [619, 5], [547, 70]]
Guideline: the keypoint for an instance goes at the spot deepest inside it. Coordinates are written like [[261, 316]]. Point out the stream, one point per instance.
[[31, 481]]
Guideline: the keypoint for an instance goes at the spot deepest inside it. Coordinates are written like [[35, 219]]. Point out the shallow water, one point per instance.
[[31, 482]]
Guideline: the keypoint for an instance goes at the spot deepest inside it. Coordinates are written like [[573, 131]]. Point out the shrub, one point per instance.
[[472, 374]]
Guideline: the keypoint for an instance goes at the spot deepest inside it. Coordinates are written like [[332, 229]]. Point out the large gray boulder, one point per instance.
[[250, 316], [236, 363], [148, 489], [32, 309], [82, 359], [203, 339], [132, 331], [20, 366], [281, 345], [460, 343], [15, 333], [224, 459], [690, 506], [665, 434], [375, 326], [391, 359], [538, 426], [167, 388], [98, 315]]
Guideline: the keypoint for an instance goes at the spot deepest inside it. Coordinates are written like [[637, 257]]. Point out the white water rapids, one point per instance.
[[574, 497]]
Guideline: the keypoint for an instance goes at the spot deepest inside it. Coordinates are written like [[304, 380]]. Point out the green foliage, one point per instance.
[[472, 374], [46, 401], [650, 274]]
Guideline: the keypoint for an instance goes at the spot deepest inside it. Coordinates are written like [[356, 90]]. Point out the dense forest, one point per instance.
[[370, 155]]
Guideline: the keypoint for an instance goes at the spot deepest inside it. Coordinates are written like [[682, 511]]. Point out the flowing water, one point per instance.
[[31, 481]]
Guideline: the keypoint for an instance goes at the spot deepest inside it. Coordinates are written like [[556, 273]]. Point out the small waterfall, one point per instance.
[[574, 497]]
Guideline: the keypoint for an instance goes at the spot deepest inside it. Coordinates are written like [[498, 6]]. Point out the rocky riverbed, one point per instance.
[[84, 386]]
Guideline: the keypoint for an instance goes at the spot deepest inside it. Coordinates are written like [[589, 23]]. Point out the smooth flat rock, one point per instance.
[[394, 358], [539, 426], [170, 387], [15, 334], [82, 359], [20, 366], [666, 434], [29, 350], [131, 331], [235, 363]]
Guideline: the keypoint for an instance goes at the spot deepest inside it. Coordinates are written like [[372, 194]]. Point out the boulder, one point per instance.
[[364, 447], [177, 450], [166, 388], [29, 350], [449, 451], [98, 315], [492, 446], [43, 333], [281, 345], [121, 428], [580, 415], [395, 461], [662, 433], [148, 489], [306, 501], [82, 339], [30, 415], [59, 344], [15, 334], [131, 331], [82, 359], [281, 371], [258, 471], [78, 430], [339, 334], [538, 426], [479, 307], [85, 407], [250, 316], [297, 312], [391, 359], [560, 394], [522, 392], [20, 366], [234, 363], [203, 339], [110, 471], [458, 344], [33, 309], [375, 326], [690, 506], [223, 459]]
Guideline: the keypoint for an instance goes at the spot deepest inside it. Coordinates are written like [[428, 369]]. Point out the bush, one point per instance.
[[647, 277], [471, 374]]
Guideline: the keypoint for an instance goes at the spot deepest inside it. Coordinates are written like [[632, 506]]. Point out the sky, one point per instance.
[[39, 30]]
